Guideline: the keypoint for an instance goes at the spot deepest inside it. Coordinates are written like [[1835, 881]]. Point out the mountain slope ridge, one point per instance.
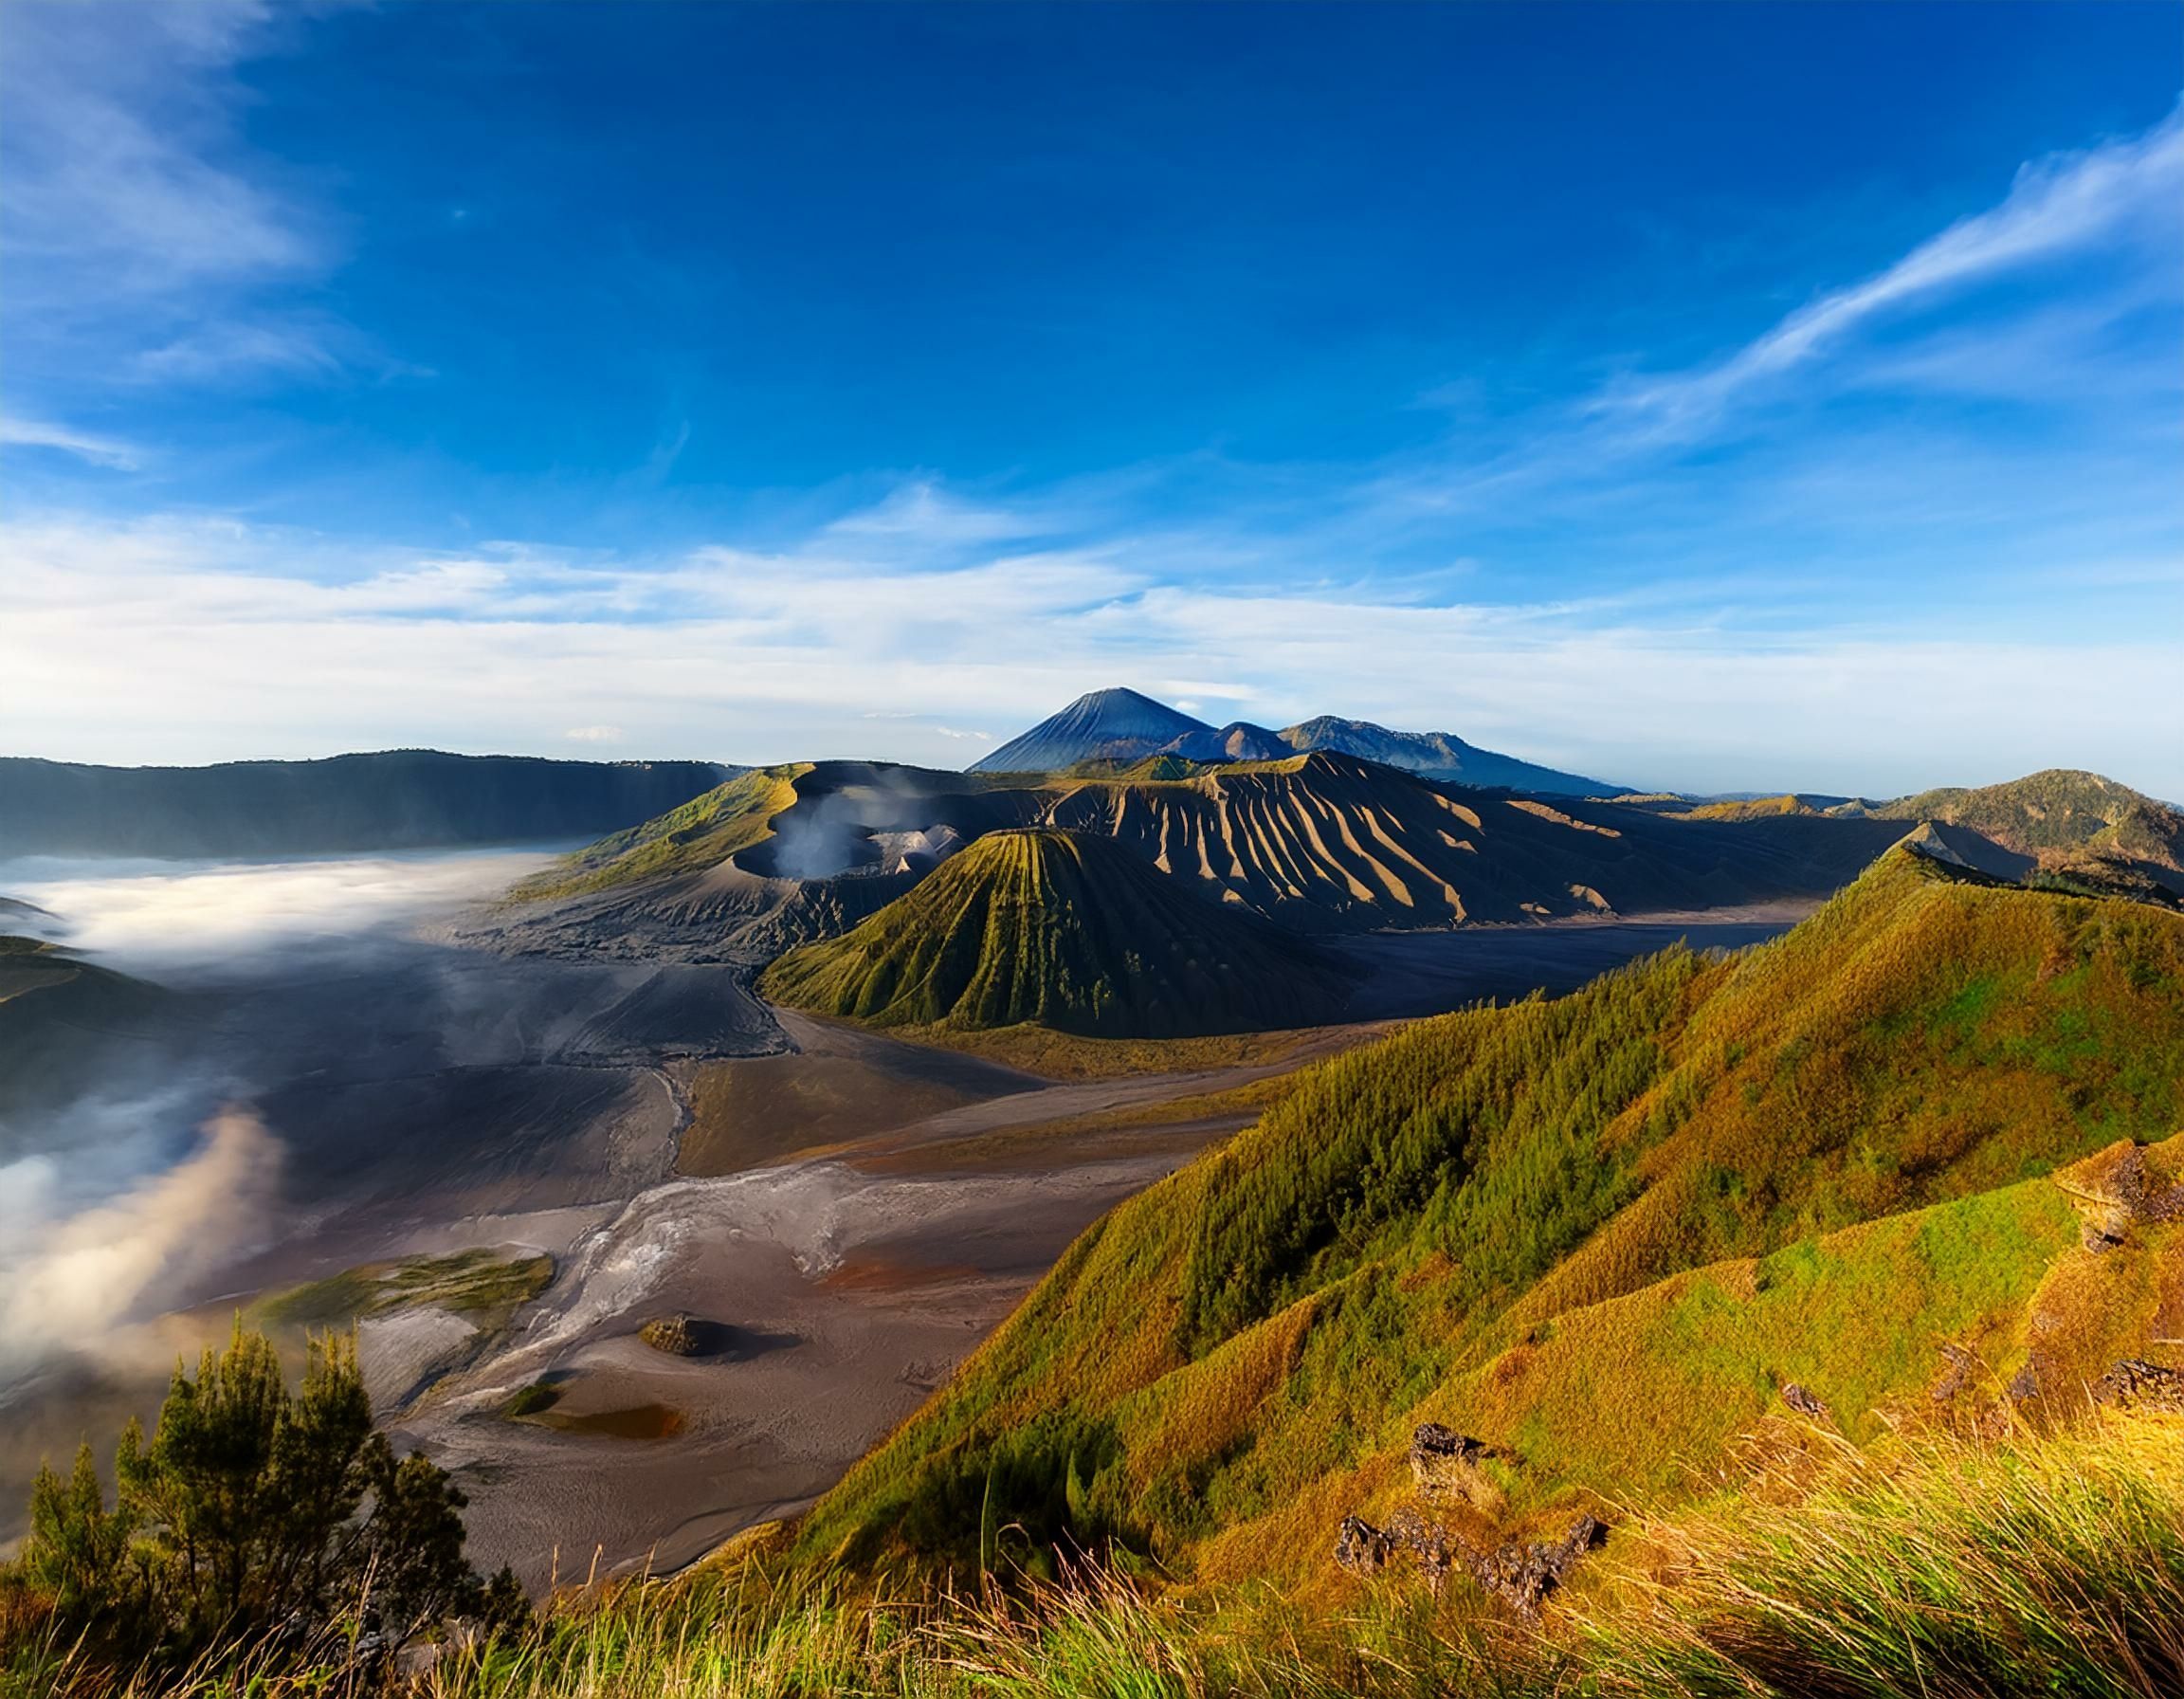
[[1226, 1365]]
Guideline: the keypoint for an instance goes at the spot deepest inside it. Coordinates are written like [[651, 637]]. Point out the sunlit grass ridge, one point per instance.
[[1431, 1227]]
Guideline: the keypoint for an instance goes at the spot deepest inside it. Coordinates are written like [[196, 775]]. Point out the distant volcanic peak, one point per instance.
[[1239, 740], [1438, 754], [1114, 725]]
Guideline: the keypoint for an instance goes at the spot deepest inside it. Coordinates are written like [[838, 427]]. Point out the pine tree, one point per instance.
[[254, 1510]]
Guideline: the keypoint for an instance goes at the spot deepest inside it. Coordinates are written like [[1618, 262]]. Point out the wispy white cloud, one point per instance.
[[114, 153], [919, 515], [294, 349], [84, 445], [2056, 207], [149, 244], [125, 626], [593, 734]]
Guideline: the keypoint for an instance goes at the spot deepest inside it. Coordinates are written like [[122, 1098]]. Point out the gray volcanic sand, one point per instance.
[[1424, 972], [816, 1368]]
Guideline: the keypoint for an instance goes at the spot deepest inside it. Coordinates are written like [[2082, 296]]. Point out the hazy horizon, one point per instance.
[[643, 755]]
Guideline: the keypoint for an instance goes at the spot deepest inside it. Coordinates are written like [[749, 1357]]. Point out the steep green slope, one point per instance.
[[1601, 1233], [1070, 932], [701, 833]]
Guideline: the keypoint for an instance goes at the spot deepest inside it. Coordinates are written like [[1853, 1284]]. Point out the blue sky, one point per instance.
[[1709, 397]]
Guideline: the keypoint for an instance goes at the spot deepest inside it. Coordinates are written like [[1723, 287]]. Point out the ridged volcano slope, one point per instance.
[[1329, 843], [1320, 843], [1072, 933]]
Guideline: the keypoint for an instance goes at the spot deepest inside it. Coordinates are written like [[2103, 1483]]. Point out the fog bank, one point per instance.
[[195, 920]]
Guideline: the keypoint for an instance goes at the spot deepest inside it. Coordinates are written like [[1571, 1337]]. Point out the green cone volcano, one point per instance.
[[1074, 933]]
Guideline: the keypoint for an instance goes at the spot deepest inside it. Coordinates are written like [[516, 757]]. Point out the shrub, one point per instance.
[[253, 1509]]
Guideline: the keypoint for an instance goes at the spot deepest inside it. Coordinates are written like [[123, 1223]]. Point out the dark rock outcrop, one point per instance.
[[1445, 1465], [1520, 1572], [2137, 1384], [677, 1334], [2114, 1192], [1360, 1548]]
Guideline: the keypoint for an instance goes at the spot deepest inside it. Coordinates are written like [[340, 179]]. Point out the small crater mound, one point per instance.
[[684, 1335]]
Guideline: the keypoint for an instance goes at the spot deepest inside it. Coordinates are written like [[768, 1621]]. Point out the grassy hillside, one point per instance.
[[1072, 933], [2042, 1565], [1601, 1233], [701, 833], [2060, 808]]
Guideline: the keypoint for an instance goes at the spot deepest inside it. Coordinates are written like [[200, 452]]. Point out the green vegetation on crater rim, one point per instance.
[[701, 833]]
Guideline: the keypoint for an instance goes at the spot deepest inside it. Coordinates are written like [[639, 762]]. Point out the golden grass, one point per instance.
[[1946, 1566]]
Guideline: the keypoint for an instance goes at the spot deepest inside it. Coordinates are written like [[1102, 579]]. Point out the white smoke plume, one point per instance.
[[68, 1280]]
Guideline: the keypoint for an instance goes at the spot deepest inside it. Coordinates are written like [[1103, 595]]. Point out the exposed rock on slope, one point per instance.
[[1328, 842], [1070, 932]]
